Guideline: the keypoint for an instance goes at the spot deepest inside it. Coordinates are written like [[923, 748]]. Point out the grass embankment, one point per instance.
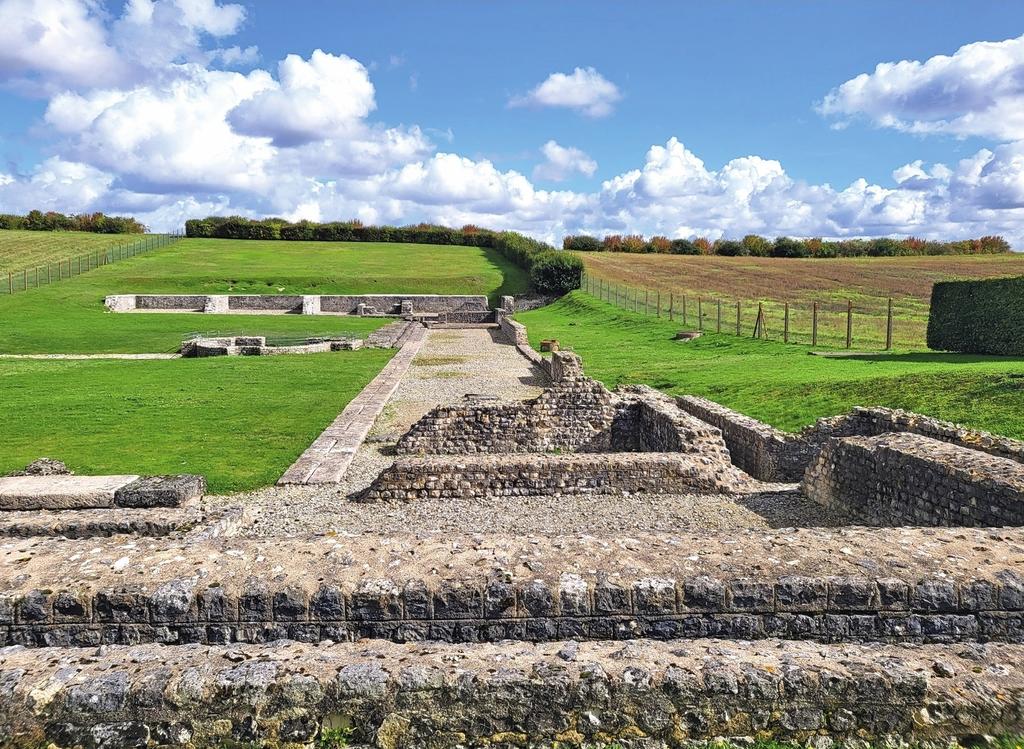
[[21, 249], [69, 317], [867, 282], [240, 421], [781, 384]]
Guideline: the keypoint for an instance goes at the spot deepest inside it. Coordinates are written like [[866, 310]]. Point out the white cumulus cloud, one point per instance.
[[584, 90], [561, 162], [976, 91]]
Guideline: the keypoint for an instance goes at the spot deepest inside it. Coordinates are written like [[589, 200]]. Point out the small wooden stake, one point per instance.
[[814, 324], [785, 327], [888, 328], [849, 323]]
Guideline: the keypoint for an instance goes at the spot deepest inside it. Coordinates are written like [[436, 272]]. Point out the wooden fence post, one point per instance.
[[647, 302], [814, 324], [738, 331], [671, 305], [24, 279], [888, 328], [659, 304], [785, 325], [700, 314], [10, 283], [849, 323], [684, 309], [759, 326]]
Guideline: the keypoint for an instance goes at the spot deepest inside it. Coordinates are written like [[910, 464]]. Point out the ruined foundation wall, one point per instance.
[[467, 308], [907, 479], [641, 694]]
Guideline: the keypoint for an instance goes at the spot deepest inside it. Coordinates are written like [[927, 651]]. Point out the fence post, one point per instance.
[[671, 304], [659, 303], [647, 302], [719, 326], [684, 309], [759, 326], [738, 331], [700, 314], [849, 323], [10, 283], [48, 267], [24, 279], [785, 325], [814, 324], [888, 328]]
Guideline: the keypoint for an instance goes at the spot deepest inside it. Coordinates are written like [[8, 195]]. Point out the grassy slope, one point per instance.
[[28, 249], [239, 421], [868, 282], [69, 317], [779, 383]]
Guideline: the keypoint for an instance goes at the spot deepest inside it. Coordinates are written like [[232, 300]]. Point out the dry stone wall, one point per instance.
[[908, 479]]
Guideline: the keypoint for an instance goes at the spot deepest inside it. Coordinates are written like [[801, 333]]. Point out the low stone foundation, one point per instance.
[[770, 454], [641, 695], [518, 475], [68, 492], [470, 306], [907, 479], [257, 346]]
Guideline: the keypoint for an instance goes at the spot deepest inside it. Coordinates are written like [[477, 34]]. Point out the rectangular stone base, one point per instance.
[[60, 492]]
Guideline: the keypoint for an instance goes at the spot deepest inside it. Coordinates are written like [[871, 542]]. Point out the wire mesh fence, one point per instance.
[[844, 324], [69, 267]]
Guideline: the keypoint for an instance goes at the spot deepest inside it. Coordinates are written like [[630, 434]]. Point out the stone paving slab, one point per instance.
[[640, 694], [60, 492], [99, 522], [329, 456]]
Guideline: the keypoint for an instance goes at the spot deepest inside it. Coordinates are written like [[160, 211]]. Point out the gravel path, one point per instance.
[[451, 364]]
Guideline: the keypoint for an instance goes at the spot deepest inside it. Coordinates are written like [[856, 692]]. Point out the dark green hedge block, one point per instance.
[[978, 317]]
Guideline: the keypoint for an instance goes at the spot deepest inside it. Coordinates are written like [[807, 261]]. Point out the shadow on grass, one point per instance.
[[932, 357]]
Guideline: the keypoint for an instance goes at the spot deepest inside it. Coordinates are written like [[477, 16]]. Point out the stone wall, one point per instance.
[[758, 448], [222, 609], [908, 479], [770, 454], [527, 475], [632, 695], [472, 307], [575, 414]]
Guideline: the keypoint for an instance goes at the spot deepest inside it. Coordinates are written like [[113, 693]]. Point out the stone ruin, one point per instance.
[[911, 629]]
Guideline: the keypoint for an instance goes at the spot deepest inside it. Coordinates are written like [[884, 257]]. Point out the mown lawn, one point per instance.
[[69, 317], [866, 282], [21, 250], [240, 421], [781, 384]]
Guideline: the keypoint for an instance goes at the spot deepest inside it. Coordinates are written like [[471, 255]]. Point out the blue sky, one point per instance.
[[441, 111]]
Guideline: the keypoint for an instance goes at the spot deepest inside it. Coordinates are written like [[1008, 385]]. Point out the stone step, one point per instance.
[[100, 522], [70, 492], [639, 694], [810, 584]]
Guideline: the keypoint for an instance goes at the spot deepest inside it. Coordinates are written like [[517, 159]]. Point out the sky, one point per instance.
[[832, 119]]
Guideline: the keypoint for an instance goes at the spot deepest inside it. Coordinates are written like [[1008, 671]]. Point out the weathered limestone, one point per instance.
[[471, 306], [311, 304], [909, 479], [524, 475], [216, 305], [120, 302], [101, 522], [60, 492], [257, 346], [161, 491], [641, 694]]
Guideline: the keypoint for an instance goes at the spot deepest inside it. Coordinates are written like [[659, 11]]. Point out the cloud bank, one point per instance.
[[182, 134]]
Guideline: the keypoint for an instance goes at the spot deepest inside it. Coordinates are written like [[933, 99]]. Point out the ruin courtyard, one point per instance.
[[487, 547]]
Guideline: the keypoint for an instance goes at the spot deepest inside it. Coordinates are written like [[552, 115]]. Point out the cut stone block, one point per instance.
[[60, 492], [161, 491]]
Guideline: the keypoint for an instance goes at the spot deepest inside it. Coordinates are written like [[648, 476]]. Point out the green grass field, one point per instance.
[[240, 421], [20, 250], [69, 317], [781, 384]]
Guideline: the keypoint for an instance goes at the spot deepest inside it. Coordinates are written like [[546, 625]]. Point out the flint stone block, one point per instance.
[[161, 491], [456, 601], [798, 593], [751, 595], [328, 604]]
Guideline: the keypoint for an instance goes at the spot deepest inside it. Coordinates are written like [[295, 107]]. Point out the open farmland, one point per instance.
[[21, 250], [69, 317], [867, 282]]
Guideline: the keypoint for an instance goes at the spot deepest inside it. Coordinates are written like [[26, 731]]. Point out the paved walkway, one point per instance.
[[326, 460]]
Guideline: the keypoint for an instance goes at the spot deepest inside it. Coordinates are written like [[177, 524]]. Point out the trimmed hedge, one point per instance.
[[550, 270], [978, 317]]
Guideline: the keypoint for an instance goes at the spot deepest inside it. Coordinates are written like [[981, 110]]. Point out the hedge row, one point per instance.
[[97, 223], [551, 271], [978, 317], [758, 246]]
